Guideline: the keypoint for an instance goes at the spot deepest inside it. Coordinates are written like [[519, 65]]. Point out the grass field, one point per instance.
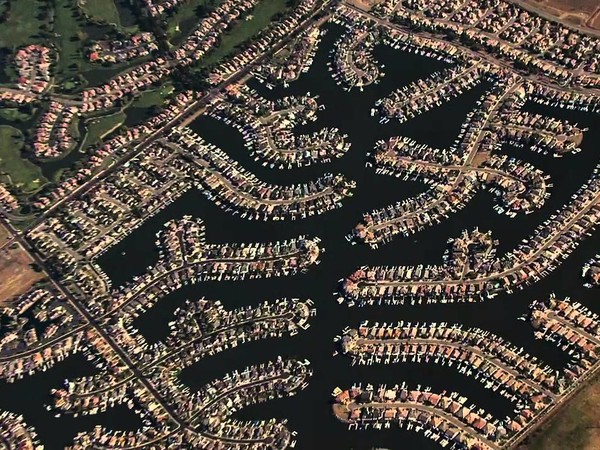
[[101, 10], [15, 272], [569, 6], [155, 97], [13, 114], [244, 30], [184, 19], [99, 127], [21, 173], [575, 427], [107, 12], [68, 27], [365, 4], [23, 24]]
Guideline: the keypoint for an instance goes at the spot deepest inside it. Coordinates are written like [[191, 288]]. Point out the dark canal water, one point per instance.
[[309, 412]]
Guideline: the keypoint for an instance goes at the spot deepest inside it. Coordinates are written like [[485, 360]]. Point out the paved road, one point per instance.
[[536, 79], [528, 6], [429, 409], [462, 347], [186, 116], [81, 309]]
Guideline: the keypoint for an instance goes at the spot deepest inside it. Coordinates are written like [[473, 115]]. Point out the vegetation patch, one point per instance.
[[24, 22], [14, 115], [69, 36], [182, 21], [244, 30], [154, 97], [4, 234], [104, 11], [15, 170], [100, 127]]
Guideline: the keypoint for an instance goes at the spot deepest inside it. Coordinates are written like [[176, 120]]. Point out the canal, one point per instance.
[[309, 412]]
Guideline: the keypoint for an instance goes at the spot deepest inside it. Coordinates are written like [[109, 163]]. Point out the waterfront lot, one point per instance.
[[244, 30], [16, 273], [18, 171]]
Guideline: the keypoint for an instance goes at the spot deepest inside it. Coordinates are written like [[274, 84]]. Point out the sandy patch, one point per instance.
[[365, 5], [16, 273]]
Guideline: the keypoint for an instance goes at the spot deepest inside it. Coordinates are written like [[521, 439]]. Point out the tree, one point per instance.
[[35, 267], [451, 35]]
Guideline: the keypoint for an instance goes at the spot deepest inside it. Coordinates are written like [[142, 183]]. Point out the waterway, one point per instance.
[[309, 412]]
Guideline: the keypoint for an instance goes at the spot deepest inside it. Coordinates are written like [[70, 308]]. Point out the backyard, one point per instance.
[[244, 30]]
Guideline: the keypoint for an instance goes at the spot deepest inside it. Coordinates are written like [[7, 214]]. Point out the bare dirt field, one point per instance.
[[575, 427], [365, 5], [16, 274], [4, 235], [583, 13]]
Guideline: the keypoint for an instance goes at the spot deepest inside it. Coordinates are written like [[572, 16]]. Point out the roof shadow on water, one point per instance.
[[308, 412]]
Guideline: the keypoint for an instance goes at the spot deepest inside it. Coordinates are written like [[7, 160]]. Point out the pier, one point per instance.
[[535, 389]]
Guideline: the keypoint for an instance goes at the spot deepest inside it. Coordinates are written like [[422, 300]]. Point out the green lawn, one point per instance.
[[24, 24], [155, 97], [21, 173], [185, 18], [99, 127], [69, 35], [244, 30], [104, 11], [13, 115]]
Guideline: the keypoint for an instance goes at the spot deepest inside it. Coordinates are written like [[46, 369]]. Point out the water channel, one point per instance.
[[309, 412]]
